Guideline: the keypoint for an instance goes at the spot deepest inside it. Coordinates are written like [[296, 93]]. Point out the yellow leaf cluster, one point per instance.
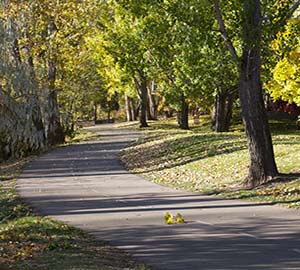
[[170, 219], [285, 84]]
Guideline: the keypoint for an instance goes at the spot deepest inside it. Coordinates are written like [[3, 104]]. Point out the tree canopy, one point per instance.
[[62, 60]]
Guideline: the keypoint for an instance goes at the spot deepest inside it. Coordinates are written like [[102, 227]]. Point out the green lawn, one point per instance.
[[29, 241], [207, 162]]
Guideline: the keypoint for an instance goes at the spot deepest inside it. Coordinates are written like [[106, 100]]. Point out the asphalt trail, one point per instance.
[[86, 186]]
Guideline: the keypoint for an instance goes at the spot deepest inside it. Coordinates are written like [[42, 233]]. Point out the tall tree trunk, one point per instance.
[[184, 114], [37, 117], [149, 112], [144, 100], [108, 115], [134, 109], [152, 106], [128, 109], [32, 97], [95, 112], [55, 132], [222, 112], [263, 166]]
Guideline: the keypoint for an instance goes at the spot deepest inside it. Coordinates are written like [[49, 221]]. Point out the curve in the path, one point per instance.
[[86, 186]]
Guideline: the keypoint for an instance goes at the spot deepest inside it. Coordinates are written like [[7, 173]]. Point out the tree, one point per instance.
[[262, 161], [115, 81], [124, 34], [109, 104], [21, 127], [189, 57], [42, 63]]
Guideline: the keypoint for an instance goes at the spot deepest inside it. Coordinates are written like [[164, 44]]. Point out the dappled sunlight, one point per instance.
[[203, 161], [85, 185]]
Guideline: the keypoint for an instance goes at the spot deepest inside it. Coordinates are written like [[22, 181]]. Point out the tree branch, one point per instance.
[[223, 31], [293, 9], [290, 13]]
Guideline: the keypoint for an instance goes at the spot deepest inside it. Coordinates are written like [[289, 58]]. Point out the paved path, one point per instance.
[[86, 186]]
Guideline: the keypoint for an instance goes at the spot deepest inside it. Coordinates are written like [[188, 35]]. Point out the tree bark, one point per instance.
[[144, 100], [184, 114], [108, 115], [128, 109], [262, 166], [95, 112], [152, 105], [55, 132], [222, 112], [32, 97], [37, 120], [37, 117], [134, 109]]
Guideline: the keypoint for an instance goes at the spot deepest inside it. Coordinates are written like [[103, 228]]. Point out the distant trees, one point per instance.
[[61, 60]]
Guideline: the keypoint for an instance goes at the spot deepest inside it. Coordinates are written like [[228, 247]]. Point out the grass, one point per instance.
[[203, 161], [29, 241], [196, 160], [82, 135]]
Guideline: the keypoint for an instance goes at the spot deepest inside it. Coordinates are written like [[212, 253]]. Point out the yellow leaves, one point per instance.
[[170, 219], [286, 84], [179, 218]]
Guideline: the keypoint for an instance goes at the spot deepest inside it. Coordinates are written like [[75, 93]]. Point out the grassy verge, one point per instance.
[[207, 162], [82, 135], [28, 241]]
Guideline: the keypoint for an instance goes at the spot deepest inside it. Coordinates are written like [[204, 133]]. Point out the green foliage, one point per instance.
[[47, 76], [86, 53]]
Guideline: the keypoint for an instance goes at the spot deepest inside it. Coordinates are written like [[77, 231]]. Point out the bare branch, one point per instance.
[[223, 31]]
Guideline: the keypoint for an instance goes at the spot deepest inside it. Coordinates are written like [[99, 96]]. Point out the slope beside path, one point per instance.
[[85, 185]]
